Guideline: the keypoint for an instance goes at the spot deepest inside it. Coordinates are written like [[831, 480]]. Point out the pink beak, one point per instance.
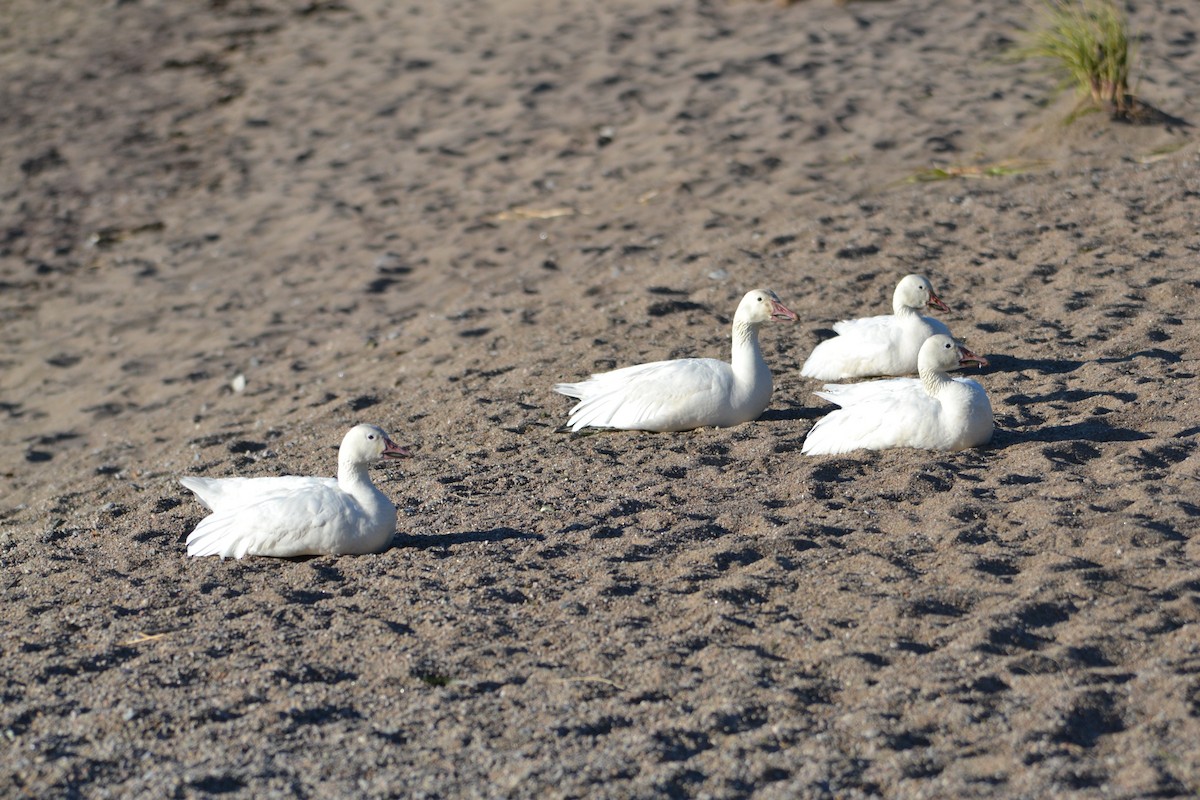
[[965, 357], [936, 302], [393, 450], [780, 311]]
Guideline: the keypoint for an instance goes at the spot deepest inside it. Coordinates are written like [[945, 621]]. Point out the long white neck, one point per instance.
[[901, 310], [747, 359], [353, 477]]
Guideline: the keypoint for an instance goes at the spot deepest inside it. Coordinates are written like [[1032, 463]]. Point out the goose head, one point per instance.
[[941, 353], [367, 444], [916, 292], [762, 305]]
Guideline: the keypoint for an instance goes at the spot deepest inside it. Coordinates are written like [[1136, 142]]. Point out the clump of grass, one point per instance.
[[1086, 42]]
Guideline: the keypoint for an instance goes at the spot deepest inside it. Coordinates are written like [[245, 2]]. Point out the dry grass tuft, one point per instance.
[[1086, 43], [997, 170]]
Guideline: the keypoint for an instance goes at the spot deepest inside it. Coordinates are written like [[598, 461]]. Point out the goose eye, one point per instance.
[[371, 436]]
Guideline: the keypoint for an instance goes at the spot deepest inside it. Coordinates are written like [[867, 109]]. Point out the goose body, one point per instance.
[[932, 412], [882, 345], [299, 516], [685, 393]]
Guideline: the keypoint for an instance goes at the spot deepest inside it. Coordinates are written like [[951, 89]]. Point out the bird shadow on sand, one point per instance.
[[422, 541], [1049, 366], [1165, 356], [794, 413], [1067, 396], [1091, 431], [1046, 366]]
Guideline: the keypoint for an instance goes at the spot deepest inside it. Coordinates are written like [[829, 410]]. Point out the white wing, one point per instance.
[[659, 396]]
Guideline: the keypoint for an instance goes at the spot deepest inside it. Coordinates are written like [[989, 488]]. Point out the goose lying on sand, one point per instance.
[[297, 516], [685, 393], [883, 345], [933, 412]]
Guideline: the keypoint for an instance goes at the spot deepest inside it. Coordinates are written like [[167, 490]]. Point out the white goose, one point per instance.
[[933, 412], [685, 393], [298, 516], [883, 345]]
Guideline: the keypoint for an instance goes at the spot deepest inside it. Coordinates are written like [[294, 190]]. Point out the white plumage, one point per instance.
[[933, 412], [685, 393], [299, 516], [883, 345]]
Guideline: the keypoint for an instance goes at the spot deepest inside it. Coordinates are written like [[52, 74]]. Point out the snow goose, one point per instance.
[[933, 412], [685, 393], [883, 345], [298, 516]]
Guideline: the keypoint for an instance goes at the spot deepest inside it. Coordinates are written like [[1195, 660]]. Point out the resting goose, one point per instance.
[[685, 393], [298, 516], [883, 345], [933, 412]]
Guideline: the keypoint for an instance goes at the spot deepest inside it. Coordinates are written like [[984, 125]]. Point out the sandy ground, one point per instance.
[[423, 215]]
